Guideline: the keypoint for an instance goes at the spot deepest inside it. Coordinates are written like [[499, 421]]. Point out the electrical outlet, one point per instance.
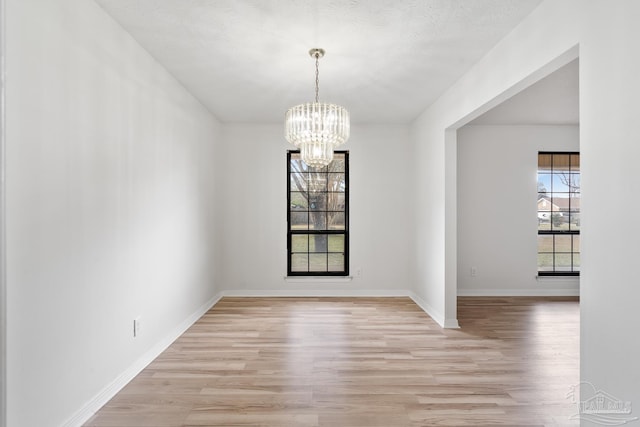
[[136, 327], [474, 271], [358, 272]]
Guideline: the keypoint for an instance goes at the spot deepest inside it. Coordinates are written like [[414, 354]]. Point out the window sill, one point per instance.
[[318, 279], [559, 277]]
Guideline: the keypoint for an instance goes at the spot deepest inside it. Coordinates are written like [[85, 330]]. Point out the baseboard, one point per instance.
[[352, 293], [431, 312], [451, 324], [518, 292], [98, 401]]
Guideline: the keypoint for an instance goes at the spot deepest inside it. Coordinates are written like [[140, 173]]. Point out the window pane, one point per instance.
[[565, 183], [544, 203], [300, 243], [336, 243], [318, 202], [574, 182], [558, 221], [338, 163], [336, 220], [563, 262], [298, 182], [316, 183], [299, 262], [576, 262], [297, 165], [545, 243], [319, 169], [563, 243], [544, 161], [574, 202], [574, 221], [545, 262], [560, 162], [575, 162], [318, 220], [544, 220], [576, 243], [299, 220], [336, 262], [336, 182], [336, 202], [318, 243], [560, 183], [298, 201], [318, 262], [544, 182]]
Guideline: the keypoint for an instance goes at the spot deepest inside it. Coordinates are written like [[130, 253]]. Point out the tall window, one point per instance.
[[318, 217], [558, 214]]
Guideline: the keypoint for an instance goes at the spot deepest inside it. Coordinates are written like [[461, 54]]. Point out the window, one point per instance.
[[558, 214], [318, 217]]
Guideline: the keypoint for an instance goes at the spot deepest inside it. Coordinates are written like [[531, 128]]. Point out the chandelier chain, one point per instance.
[[317, 55]]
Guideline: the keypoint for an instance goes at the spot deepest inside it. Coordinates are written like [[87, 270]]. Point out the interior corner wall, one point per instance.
[[110, 206], [255, 209], [3, 282], [605, 32], [497, 222], [429, 216], [527, 54]]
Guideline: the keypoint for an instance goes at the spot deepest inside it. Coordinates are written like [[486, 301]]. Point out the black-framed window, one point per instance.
[[318, 217], [558, 213]]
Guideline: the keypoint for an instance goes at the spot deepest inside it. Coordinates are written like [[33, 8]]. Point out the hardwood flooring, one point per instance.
[[363, 362]]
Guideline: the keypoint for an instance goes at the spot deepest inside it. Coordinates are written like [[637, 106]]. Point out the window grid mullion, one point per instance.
[[553, 170], [325, 193]]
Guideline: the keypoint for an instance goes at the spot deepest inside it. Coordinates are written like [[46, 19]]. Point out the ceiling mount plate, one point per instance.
[[316, 52]]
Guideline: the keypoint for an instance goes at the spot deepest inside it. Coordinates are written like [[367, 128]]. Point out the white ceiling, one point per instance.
[[553, 100], [386, 61]]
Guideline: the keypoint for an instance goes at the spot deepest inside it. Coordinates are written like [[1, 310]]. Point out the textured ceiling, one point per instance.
[[386, 61]]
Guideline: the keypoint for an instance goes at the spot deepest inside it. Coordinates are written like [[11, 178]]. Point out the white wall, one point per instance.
[[101, 140], [110, 211], [605, 32], [609, 136], [3, 258], [497, 221], [255, 227]]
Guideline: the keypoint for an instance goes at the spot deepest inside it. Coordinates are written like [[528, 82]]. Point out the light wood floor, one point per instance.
[[364, 362]]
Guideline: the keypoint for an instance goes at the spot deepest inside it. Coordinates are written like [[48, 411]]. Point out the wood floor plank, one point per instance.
[[363, 362]]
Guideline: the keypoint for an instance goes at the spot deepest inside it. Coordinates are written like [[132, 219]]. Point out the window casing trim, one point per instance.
[[290, 233], [556, 232]]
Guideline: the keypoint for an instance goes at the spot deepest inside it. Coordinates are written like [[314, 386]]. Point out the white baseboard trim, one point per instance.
[[313, 293], [99, 400], [431, 312], [518, 292], [451, 324]]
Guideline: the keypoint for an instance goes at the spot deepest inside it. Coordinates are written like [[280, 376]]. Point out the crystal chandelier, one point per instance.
[[317, 128]]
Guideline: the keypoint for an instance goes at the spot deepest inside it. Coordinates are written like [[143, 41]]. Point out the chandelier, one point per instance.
[[317, 128]]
